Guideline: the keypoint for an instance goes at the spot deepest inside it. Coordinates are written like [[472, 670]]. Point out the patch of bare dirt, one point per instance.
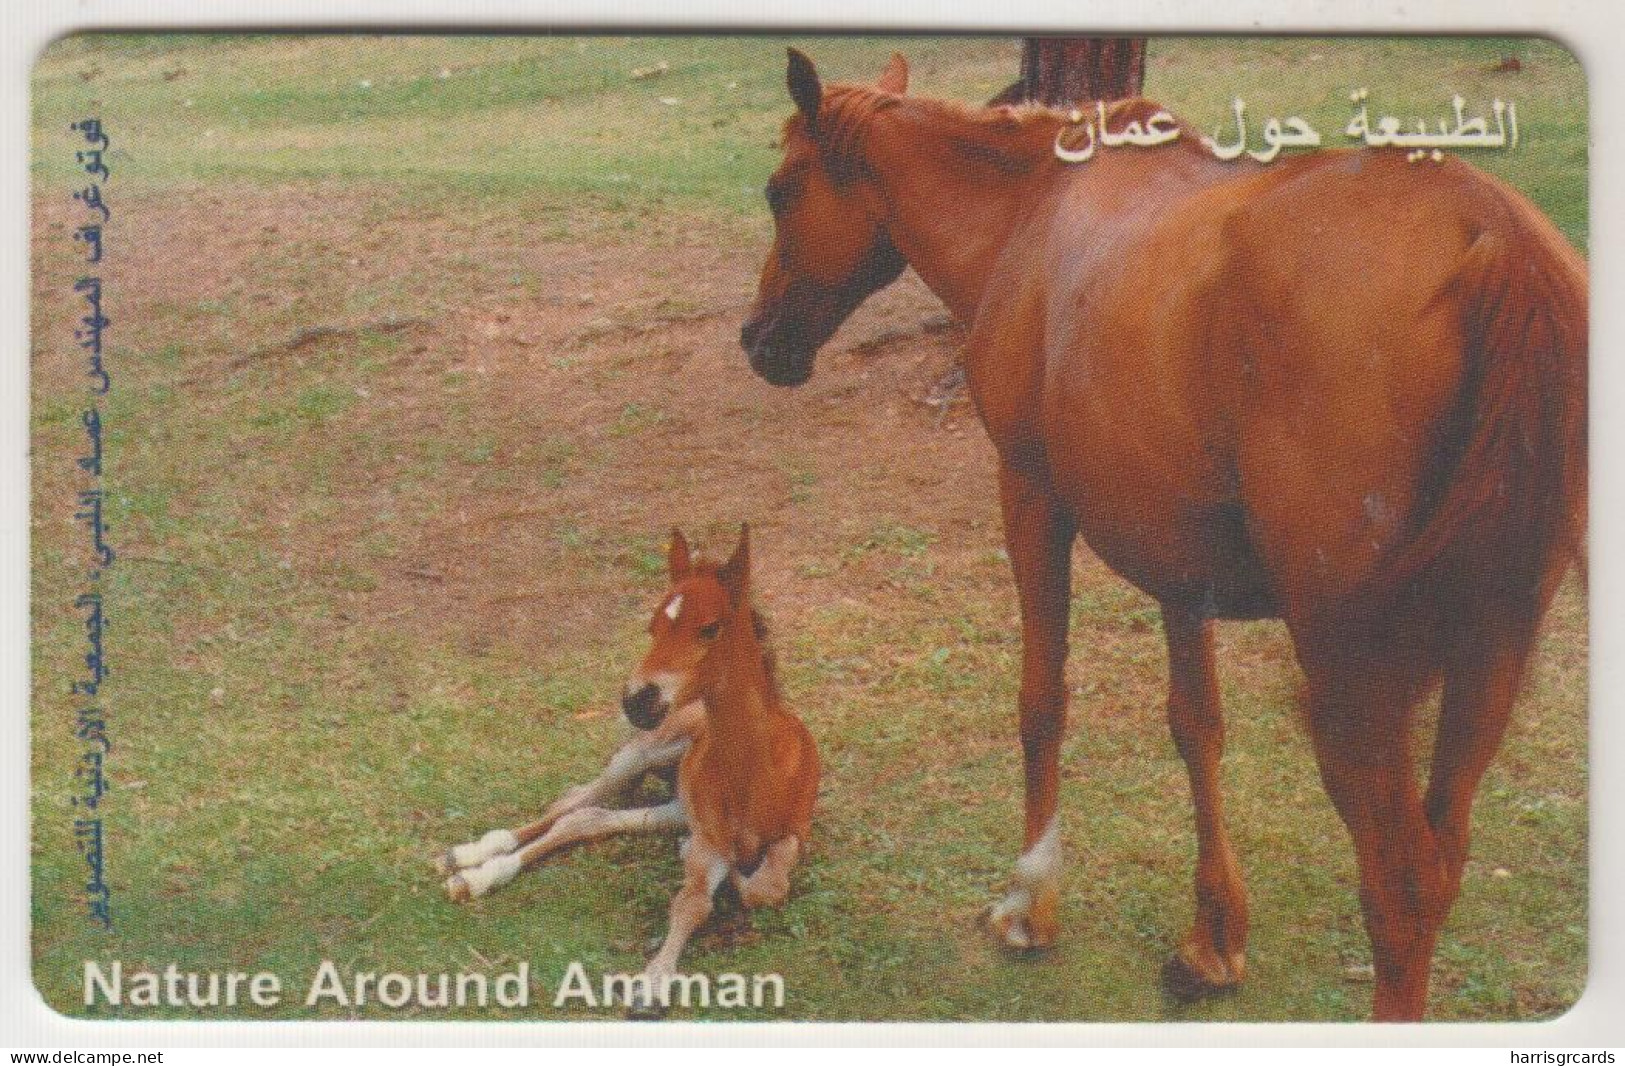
[[664, 424], [600, 382]]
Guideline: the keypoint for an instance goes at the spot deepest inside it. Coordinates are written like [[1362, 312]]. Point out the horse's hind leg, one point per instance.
[[1039, 534], [1213, 955], [577, 827], [769, 884], [1360, 724], [1478, 698]]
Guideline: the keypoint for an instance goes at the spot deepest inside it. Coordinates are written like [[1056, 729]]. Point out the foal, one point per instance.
[[748, 782], [591, 811]]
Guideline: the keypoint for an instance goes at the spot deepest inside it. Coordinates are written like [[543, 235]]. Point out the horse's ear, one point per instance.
[[678, 558], [735, 573], [805, 90], [894, 79]]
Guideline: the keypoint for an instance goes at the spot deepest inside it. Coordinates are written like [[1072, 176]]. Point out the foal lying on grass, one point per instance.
[[705, 694], [748, 783], [592, 811]]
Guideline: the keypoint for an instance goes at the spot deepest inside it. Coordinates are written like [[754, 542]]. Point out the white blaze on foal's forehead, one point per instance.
[[674, 606]]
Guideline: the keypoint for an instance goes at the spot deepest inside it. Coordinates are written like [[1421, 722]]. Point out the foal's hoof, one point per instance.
[[445, 864], [645, 1008], [1188, 978], [458, 890]]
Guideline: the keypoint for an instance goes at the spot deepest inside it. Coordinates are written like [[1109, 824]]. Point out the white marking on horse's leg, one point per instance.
[[477, 881], [661, 747], [1037, 876], [496, 842], [1041, 863], [1009, 917]]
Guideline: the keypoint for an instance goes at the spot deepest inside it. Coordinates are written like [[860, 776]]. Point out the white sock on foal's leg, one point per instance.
[[477, 881], [496, 842]]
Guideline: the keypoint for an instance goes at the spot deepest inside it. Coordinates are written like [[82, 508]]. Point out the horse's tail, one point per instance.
[[1502, 510]]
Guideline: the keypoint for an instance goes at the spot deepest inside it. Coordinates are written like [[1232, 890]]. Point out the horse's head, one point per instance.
[[704, 600], [830, 249]]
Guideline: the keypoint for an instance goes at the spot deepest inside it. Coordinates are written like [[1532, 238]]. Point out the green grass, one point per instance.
[[563, 117], [289, 749]]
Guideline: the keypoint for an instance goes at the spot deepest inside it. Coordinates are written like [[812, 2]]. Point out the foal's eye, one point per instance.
[[776, 198], [709, 632]]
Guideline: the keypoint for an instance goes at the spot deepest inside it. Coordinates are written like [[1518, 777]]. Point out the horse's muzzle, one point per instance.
[[774, 360], [645, 708]]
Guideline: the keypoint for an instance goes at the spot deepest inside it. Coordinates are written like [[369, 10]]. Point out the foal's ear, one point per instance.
[[894, 79], [735, 573], [678, 558], [805, 89]]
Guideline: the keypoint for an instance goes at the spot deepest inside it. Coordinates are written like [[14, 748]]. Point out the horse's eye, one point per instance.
[[709, 632], [775, 198]]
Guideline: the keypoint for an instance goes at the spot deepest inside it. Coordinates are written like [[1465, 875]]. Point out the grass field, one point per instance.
[[420, 345]]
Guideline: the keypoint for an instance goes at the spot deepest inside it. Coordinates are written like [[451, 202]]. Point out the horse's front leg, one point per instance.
[[659, 748], [578, 827], [1038, 533], [704, 869], [1213, 955]]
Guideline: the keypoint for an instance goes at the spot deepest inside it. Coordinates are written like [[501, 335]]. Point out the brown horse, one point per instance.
[[749, 782], [662, 735], [1342, 390]]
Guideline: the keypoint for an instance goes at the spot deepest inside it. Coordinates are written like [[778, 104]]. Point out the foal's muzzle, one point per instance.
[[645, 708]]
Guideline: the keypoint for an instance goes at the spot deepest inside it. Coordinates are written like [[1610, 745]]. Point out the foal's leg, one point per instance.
[[1214, 952], [577, 827], [704, 869], [1360, 725], [1039, 536], [769, 884], [653, 750]]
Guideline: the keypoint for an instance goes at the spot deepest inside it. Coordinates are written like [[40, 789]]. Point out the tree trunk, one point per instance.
[[1068, 71]]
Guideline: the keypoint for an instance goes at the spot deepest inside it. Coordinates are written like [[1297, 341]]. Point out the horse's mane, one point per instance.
[[1011, 138], [770, 655], [844, 119]]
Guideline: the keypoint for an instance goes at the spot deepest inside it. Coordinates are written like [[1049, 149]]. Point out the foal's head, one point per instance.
[[695, 620], [830, 250]]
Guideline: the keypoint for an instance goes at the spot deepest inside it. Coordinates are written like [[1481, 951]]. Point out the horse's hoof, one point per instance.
[[645, 1009], [444, 864], [1186, 980], [1013, 932], [457, 889]]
